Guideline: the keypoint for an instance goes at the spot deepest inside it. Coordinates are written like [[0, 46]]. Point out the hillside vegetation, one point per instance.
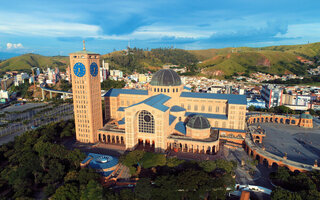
[[135, 59], [244, 60], [26, 61], [283, 59]]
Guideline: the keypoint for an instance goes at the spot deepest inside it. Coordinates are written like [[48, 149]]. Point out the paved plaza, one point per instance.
[[300, 144]]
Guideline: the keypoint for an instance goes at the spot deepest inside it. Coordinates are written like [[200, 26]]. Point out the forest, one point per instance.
[[295, 186]]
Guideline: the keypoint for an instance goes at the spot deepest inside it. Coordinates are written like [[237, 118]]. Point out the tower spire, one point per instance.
[[84, 45]]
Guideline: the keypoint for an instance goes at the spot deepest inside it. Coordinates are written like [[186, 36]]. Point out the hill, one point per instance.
[[244, 60], [283, 59], [26, 61], [135, 59]]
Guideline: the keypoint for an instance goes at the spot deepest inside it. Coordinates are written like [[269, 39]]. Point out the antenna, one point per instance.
[[84, 45]]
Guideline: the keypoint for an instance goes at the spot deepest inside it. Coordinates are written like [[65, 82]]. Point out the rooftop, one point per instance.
[[114, 92], [165, 77], [156, 101], [231, 98]]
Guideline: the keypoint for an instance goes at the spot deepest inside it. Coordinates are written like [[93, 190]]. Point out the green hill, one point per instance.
[[26, 61], [274, 59], [135, 59], [215, 62]]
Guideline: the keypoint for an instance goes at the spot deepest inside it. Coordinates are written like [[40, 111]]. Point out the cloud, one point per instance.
[[273, 31], [14, 46], [127, 25]]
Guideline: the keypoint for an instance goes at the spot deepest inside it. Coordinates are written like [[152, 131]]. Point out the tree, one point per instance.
[[143, 189], [67, 192], [93, 191], [252, 108]]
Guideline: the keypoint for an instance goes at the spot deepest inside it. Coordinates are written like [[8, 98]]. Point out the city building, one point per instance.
[[272, 95]]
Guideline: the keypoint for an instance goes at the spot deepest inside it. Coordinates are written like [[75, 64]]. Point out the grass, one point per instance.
[[26, 61]]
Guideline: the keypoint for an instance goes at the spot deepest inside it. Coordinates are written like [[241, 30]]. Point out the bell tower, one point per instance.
[[86, 91]]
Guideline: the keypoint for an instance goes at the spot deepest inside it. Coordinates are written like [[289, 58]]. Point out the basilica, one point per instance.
[[166, 116], [169, 116]]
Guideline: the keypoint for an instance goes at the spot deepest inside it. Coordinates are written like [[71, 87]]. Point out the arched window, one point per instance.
[[146, 122]]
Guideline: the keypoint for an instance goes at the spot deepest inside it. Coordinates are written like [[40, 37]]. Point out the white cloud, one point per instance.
[[14, 46]]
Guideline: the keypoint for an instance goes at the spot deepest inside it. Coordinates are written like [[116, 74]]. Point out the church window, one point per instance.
[[189, 107], [217, 109], [195, 107], [158, 89], [210, 108], [154, 89], [173, 90], [202, 108], [161, 90], [146, 122]]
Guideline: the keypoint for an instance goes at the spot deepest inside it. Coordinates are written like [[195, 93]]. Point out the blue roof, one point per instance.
[[231, 130], [122, 121], [232, 98], [86, 160], [114, 92], [180, 126], [176, 109], [207, 115], [186, 88], [121, 109], [96, 163], [156, 101], [171, 119]]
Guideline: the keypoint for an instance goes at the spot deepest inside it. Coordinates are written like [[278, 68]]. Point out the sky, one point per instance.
[[57, 27]]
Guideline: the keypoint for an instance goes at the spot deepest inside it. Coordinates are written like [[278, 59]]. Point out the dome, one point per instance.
[[165, 77], [306, 116], [198, 122]]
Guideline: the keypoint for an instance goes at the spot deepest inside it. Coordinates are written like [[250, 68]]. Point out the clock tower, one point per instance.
[[86, 91]]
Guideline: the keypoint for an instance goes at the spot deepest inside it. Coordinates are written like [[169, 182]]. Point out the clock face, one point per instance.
[[79, 69], [94, 69]]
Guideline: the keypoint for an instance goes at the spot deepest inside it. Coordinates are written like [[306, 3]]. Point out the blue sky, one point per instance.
[[57, 27]]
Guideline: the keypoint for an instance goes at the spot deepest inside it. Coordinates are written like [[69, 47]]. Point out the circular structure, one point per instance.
[[165, 77], [306, 116], [94, 69], [104, 159], [147, 118], [79, 69], [198, 122]]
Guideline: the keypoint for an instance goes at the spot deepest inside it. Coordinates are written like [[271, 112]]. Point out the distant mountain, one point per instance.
[[6, 55], [26, 61], [274, 59]]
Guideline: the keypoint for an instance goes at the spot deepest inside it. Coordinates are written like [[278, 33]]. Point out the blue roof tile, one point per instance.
[[231, 98], [156, 101], [186, 88], [121, 109], [207, 115], [122, 121], [171, 119], [114, 92], [177, 109], [180, 126]]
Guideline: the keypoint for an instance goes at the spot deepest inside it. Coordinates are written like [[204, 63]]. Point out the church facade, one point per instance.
[[165, 116]]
